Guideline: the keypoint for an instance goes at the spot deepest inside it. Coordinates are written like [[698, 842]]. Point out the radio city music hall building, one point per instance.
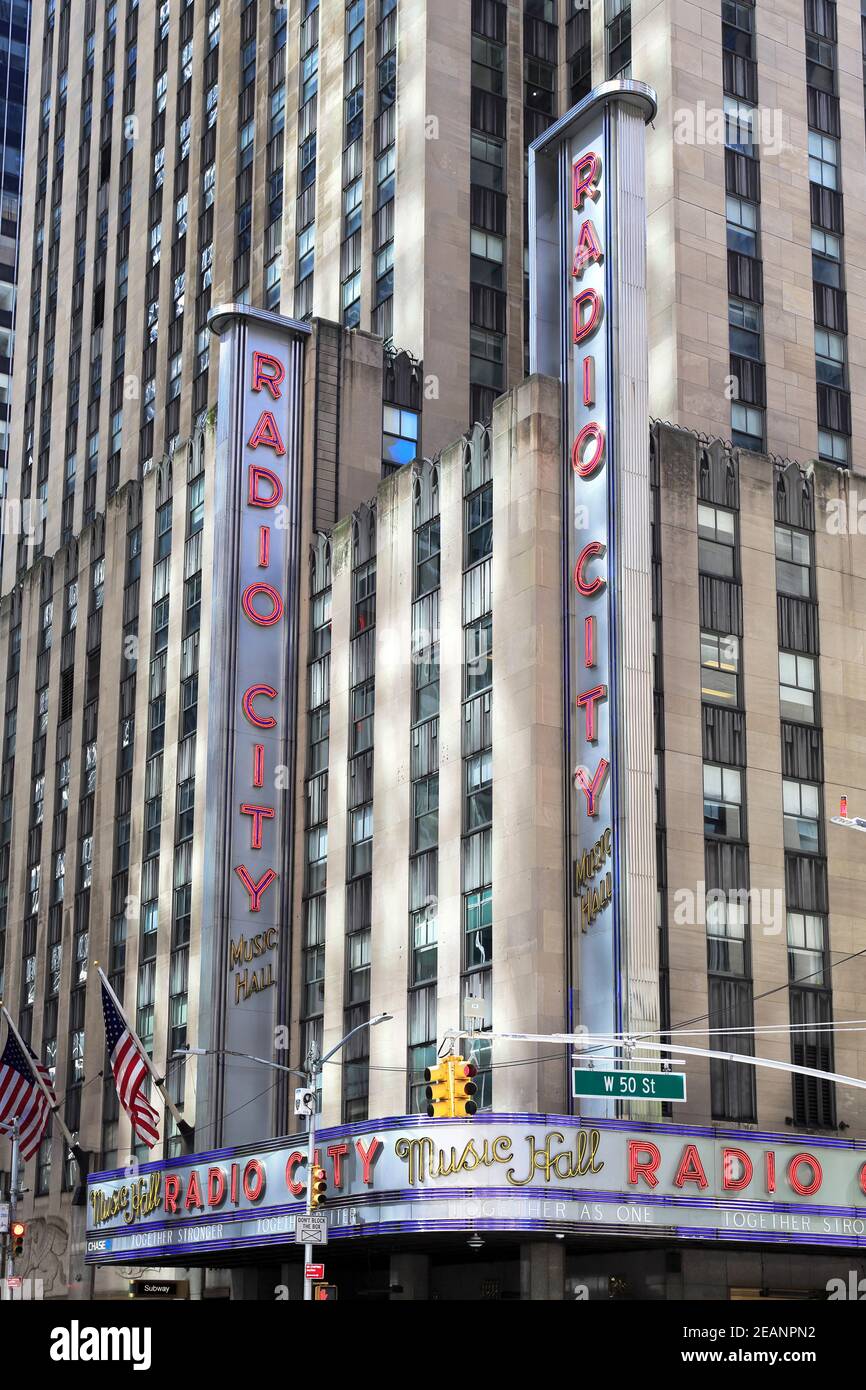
[[228, 605]]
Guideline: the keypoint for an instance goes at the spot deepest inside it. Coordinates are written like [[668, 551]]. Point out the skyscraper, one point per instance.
[[359, 176]]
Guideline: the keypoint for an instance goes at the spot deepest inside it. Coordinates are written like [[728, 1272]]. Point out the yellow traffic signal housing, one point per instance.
[[18, 1232], [439, 1091], [450, 1089], [462, 1087], [319, 1188]]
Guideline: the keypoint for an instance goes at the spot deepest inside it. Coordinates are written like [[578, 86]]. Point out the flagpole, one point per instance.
[[14, 1179], [159, 1081], [53, 1104]]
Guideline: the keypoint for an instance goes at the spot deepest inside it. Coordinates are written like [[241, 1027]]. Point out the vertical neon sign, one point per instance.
[[588, 327], [249, 828]]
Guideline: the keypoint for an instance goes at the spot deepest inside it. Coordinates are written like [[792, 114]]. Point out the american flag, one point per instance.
[[130, 1072], [20, 1096]]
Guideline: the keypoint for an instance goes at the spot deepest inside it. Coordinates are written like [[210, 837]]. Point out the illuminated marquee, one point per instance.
[[510, 1172]]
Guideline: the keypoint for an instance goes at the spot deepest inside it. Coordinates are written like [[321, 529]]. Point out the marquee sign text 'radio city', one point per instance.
[[262, 605], [589, 463]]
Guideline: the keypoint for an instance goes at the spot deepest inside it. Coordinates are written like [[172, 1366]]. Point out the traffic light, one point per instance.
[[463, 1087], [324, 1293], [319, 1188], [18, 1231], [439, 1091]]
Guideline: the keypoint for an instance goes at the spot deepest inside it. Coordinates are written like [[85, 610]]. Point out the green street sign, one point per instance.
[[628, 1085]]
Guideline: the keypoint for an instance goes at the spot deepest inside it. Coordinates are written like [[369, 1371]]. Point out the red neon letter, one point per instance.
[[729, 1158], [261, 721], [592, 789], [587, 587], [587, 250], [296, 1188], [258, 765], [585, 467], [587, 701], [254, 1180], [259, 475], [582, 327], [589, 641], [589, 380], [643, 1167], [216, 1187], [172, 1188], [269, 380], [259, 814], [256, 890], [585, 174], [262, 619], [193, 1192], [267, 432], [691, 1169], [805, 1189], [336, 1153], [368, 1158], [862, 1178], [264, 547]]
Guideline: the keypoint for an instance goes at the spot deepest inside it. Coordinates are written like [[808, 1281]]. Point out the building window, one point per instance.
[[424, 944], [478, 928], [422, 1044], [740, 126], [488, 65], [363, 710], [399, 435], [720, 669], [488, 162], [487, 358], [316, 854], [319, 726], [797, 687], [314, 957], [425, 813], [744, 328], [427, 557], [723, 802], [832, 446], [716, 541], [826, 258], [830, 358], [358, 966], [806, 948], [478, 639], [742, 226], [425, 676], [800, 803], [479, 525], [793, 562], [823, 160], [478, 775], [726, 935], [361, 845], [364, 597]]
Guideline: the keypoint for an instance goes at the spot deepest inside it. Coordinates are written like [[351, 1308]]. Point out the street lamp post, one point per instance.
[[314, 1065]]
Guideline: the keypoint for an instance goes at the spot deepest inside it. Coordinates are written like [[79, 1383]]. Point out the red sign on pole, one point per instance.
[[314, 1271]]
